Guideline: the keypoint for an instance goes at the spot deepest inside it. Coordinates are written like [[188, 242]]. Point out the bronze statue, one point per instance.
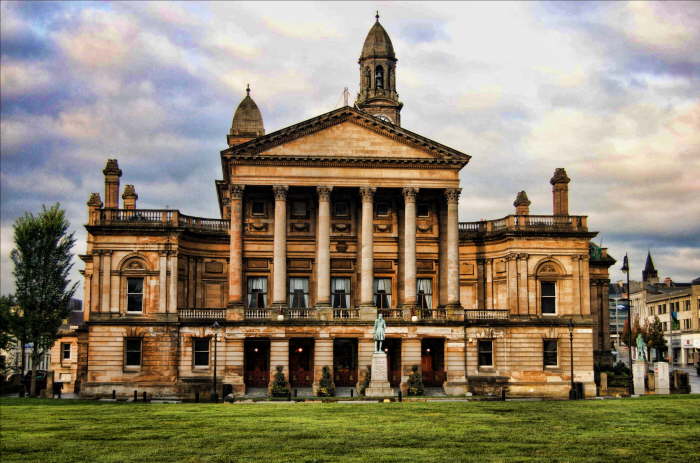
[[378, 332], [641, 348]]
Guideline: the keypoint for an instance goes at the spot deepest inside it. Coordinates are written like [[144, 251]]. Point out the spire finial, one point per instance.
[[247, 89], [377, 16]]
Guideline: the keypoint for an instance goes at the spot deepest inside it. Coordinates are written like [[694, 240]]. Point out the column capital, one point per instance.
[[236, 191], [367, 193], [409, 194], [324, 192], [452, 194], [280, 192]]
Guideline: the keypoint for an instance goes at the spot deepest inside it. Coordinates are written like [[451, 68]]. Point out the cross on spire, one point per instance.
[[247, 89], [377, 16]]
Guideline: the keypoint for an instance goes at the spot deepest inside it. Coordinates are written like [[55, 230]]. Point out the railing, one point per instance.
[[391, 314], [525, 223], [431, 314], [495, 314], [258, 314], [157, 217], [299, 314], [202, 314], [346, 314]]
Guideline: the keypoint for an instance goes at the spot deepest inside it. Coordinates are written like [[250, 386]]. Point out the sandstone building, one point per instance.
[[323, 225]]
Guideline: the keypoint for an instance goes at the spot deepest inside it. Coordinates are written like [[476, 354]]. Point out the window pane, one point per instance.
[[382, 209], [550, 352], [134, 302], [134, 285], [548, 288], [548, 305], [341, 209], [298, 209], [133, 352], [485, 353], [201, 359], [258, 208], [66, 351], [422, 210]]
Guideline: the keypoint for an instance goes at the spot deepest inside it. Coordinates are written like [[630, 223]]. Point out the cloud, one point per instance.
[[608, 90]]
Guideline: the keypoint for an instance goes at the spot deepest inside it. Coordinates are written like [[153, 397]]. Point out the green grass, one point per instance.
[[630, 430]]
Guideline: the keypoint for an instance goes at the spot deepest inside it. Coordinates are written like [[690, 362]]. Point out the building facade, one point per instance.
[[325, 224]]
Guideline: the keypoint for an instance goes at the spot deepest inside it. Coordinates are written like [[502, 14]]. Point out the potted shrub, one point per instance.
[[326, 387], [279, 385], [415, 382]]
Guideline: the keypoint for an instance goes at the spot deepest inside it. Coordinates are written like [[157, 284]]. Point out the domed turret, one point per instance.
[[378, 95], [247, 121]]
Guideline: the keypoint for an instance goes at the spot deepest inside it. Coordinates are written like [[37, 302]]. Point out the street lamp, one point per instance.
[[626, 268], [572, 391], [214, 395]]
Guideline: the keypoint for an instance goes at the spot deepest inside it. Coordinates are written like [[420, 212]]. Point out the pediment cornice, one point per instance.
[[250, 151]]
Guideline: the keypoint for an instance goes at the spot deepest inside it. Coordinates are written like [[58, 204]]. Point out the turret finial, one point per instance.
[[247, 89], [377, 16]]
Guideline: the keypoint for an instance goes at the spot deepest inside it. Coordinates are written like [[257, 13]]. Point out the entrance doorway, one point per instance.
[[345, 362], [301, 363], [392, 347], [433, 361], [256, 362]]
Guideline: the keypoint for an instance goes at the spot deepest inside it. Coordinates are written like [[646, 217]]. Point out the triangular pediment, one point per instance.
[[347, 134]]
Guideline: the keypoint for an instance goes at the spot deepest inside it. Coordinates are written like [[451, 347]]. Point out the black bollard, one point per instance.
[[296, 392], [400, 396], [503, 394], [136, 396], [196, 396], [145, 396], [114, 394], [59, 393], [289, 396], [352, 392]]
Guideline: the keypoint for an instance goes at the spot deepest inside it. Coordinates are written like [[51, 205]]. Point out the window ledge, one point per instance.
[[132, 369]]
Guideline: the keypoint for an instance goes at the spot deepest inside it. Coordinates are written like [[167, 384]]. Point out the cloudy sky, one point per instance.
[[610, 91]]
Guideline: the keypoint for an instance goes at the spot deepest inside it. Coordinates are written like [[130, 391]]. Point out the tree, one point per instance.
[[656, 338], [42, 259]]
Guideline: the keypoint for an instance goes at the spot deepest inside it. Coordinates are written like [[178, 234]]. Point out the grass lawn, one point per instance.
[[631, 430]]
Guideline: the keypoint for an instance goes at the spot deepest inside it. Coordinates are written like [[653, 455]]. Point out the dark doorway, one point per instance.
[[345, 362], [301, 362], [433, 361], [392, 347], [256, 362]]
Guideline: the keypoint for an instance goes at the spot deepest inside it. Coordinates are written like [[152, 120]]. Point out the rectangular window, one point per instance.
[[548, 298], [298, 293], [382, 209], [132, 352], [258, 208], [257, 292], [340, 293], [299, 209], [134, 294], [382, 293], [423, 210], [200, 348], [424, 293], [65, 351], [686, 324], [485, 347], [549, 353], [341, 209]]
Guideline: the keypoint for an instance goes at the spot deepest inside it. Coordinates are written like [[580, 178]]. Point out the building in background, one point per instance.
[[325, 224]]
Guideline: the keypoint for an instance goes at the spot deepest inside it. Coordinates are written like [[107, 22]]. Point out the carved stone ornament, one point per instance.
[[236, 191], [342, 246], [112, 168], [548, 268], [341, 227], [258, 226], [367, 193], [559, 176], [424, 228], [452, 194], [521, 199], [409, 194], [280, 192], [95, 200], [382, 228], [129, 192], [299, 227], [324, 192]]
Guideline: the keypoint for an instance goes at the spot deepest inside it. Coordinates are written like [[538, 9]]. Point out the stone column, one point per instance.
[[409, 272], [235, 266], [367, 247], [323, 252], [452, 195], [279, 293]]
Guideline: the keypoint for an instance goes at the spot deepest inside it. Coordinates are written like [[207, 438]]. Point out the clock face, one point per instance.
[[383, 117]]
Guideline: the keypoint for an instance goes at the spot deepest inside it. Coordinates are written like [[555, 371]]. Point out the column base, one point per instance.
[[235, 311], [325, 312]]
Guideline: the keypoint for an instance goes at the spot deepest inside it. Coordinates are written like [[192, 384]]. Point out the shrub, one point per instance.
[[279, 386], [415, 382], [326, 388]]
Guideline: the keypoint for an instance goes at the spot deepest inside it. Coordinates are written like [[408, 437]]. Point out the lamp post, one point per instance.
[[214, 395], [626, 268], [572, 390]]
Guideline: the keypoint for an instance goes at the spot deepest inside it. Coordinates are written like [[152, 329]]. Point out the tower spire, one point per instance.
[[649, 274]]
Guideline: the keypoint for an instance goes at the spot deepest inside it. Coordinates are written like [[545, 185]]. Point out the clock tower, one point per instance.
[[378, 95]]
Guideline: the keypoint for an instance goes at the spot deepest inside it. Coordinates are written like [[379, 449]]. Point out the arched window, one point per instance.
[[368, 78], [549, 273], [388, 78], [379, 77]]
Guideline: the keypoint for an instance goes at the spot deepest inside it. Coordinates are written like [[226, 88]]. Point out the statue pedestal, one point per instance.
[[639, 371], [379, 382], [661, 378]]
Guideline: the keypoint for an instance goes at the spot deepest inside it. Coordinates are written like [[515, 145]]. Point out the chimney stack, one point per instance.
[[112, 173], [560, 191], [522, 204], [129, 197], [94, 205]]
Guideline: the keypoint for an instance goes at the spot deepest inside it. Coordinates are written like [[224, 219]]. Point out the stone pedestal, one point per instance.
[[639, 372], [661, 378], [379, 382]]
